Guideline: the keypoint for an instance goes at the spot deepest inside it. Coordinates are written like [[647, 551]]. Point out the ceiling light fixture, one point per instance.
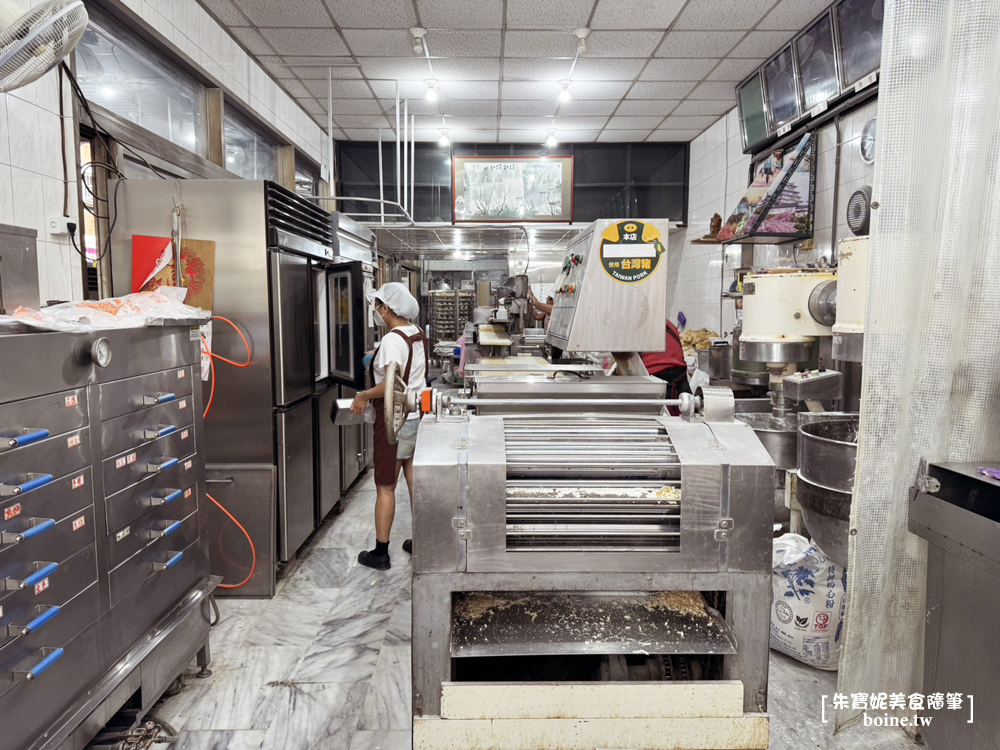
[[418, 40], [432, 90], [444, 141], [564, 94], [581, 44], [550, 139]]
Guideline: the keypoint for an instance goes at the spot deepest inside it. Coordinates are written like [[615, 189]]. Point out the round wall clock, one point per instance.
[[866, 144]]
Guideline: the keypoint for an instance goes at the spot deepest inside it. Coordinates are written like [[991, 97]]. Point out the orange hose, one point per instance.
[[212, 357], [253, 549], [245, 343]]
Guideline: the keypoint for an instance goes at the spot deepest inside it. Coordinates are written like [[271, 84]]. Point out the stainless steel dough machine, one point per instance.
[[569, 533]]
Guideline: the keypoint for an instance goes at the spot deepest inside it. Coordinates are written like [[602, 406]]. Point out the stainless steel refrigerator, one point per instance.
[[272, 450]]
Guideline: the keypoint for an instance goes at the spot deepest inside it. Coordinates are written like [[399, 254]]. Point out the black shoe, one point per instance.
[[371, 560], [408, 546]]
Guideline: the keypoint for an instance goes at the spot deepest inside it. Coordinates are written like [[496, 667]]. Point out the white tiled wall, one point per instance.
[[718, 178], [31, 170]]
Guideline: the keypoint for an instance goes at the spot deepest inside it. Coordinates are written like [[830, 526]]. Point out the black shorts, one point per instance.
[[677, 377]]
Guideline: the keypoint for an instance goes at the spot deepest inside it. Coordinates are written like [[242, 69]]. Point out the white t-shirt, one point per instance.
[[394, 349]]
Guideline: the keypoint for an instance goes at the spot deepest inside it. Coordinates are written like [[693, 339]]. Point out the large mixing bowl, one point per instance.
[[828, 452], [777, 436]]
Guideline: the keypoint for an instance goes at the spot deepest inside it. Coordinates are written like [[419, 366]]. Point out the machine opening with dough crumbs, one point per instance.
[[587, 568]]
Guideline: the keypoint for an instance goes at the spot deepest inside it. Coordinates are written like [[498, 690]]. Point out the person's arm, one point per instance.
[[392, 348], [363, 397], [545, 309]]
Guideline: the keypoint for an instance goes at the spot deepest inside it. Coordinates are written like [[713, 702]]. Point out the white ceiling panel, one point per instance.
[[305, 41], [603, 69], [470, 123], [467, 14], [321, 73], [673, 136], [636, 123], [369, 134], [362, 121], [647, 106], [226, 12], [345, 89], [469, 89], [463, 43], [528, 91], [355, 106], [677, 69], [635, 14], [473, 136], [467, 69], [761, 44], [301, 14], [528, 69], [575, 107], [580, 123], [713, 44], [276, 68], [552, 14], [714, 90], [475, 108], [522, 136], [425, 122], [792, 15], [412, 107], [577, 136], [582, 90], [622, 43], [623, 136], [539, 44], [396, 68], [704, 107], [539, 107], [661, 89], [365, 14], [688, 122], [251, 40], [407, 89], [318, 60], [297, 89], [734, 70], [712, 15], [313, 106], [514, 123], [370, 43]]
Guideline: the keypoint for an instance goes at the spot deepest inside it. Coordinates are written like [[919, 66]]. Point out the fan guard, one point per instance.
[[39, 40], [859, 210]]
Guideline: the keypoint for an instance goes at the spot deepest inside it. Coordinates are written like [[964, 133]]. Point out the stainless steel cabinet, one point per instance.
[[296, 514]]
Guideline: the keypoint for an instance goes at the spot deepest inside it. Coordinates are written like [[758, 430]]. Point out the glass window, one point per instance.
[[751, 101], [306, 179], [249, 154], [860, 26], [817, 63], [782, 96], [123, 74]]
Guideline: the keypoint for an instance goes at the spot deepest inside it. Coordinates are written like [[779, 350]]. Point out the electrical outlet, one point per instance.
[[59, 224]]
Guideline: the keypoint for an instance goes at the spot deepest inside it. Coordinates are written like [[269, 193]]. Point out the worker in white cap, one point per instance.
[[406, 345]]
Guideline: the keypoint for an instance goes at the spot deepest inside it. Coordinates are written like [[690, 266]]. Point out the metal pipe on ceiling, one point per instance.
[[381, 189], [329, 127], [413, 161], [406, 162], [397, 141]]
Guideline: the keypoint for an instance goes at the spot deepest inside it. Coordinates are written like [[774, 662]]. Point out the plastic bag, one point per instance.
[[808, 599], [131, 311], [369, 415]]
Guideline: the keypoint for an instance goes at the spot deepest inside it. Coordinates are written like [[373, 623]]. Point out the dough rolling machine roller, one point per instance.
[[581, 555]]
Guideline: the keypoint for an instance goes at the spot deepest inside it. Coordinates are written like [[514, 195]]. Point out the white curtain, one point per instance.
[[931, 362]]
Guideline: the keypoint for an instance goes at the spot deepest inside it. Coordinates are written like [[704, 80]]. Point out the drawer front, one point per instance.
[[125, 433], [157, 489], [157, 559], [134, 394], [153, 525], [39, 702], [56, 543], [153, 458], [34, 419], [58, 626], [29, 468], [56, 501], [58, 587]]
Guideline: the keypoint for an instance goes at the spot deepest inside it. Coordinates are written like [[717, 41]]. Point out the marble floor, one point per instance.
[[325, 665]]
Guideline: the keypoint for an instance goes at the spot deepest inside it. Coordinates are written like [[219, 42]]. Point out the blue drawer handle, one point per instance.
[[44, 664], [173, 560], [41, 620], [172, 528], [157, 468], [175, 495], [41, 575], [38, 528], [27, 438], [159, 398], [36, 481], [161, 432]]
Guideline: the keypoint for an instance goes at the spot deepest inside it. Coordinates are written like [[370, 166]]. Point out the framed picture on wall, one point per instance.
[[513, 188]]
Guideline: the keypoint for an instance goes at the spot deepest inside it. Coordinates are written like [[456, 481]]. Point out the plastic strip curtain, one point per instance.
[[931, 362]]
